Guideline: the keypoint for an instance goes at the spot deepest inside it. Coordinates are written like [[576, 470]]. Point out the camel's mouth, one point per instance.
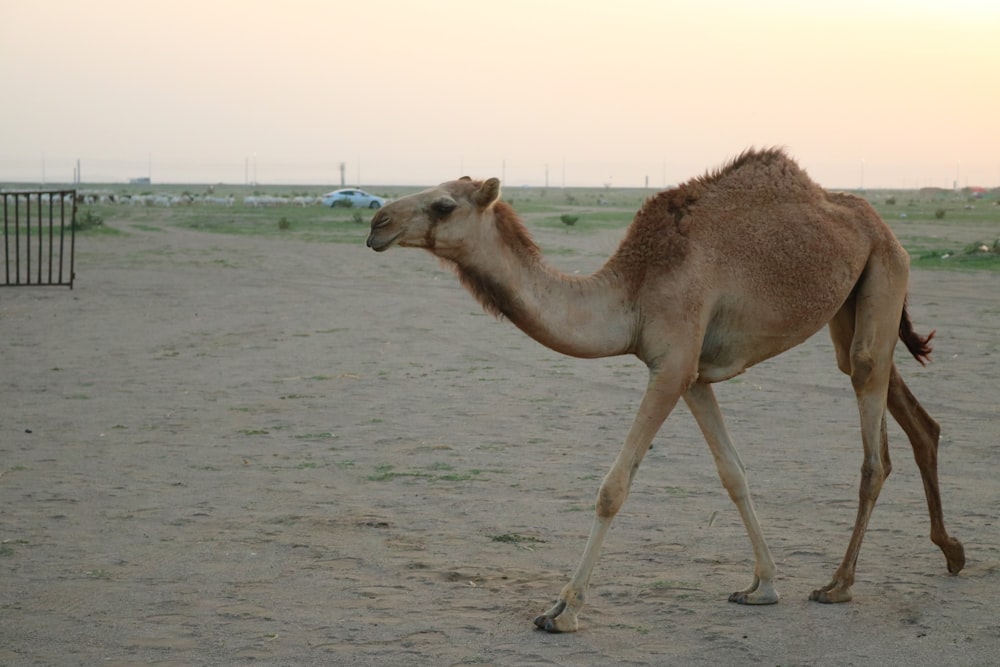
[[381, 245]]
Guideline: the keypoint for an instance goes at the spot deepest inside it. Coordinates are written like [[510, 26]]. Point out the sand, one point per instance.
[[221, 450]]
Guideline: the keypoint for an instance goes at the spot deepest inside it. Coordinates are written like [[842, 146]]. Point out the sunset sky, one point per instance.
[[864, 93]]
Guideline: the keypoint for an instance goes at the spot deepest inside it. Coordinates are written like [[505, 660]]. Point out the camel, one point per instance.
[[712, 277]]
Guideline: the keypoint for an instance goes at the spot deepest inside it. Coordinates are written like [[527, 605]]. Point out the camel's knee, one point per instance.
[[923, 430], [873, 475], [611, 495], [862, 368]]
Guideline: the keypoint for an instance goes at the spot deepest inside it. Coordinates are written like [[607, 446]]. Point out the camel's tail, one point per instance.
[[919, 346]]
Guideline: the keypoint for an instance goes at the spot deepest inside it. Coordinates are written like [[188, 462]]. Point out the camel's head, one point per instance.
[[441, 219]]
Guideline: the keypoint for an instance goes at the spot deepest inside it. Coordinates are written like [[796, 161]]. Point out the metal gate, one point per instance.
[[39, 238]]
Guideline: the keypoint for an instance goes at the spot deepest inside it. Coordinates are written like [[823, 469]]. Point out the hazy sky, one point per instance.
[[873, 93]]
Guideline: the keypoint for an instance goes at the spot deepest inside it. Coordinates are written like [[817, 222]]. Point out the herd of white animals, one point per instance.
[[256, 201], [90, 198]]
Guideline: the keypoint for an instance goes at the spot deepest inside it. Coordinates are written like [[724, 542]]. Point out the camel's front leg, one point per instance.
[[661, 395], [701, 400]]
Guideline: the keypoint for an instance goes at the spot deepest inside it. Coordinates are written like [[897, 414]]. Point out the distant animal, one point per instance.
[[712, 277]]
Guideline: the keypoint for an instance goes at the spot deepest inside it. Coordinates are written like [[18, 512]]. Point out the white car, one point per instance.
[[352, 197]]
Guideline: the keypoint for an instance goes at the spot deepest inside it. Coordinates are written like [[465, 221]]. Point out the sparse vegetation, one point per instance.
[[516, 538], [88, 220], [909, 212], [979, 255], [385, 472]]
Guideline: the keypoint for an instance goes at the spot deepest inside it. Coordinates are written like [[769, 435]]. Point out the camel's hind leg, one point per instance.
[[864, 333], [923, 433]]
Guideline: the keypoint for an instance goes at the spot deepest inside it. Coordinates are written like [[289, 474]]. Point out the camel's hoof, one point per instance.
[[554, 620], [761, 591], [744, 597], [832, 594], [543, 622], [955, 553]]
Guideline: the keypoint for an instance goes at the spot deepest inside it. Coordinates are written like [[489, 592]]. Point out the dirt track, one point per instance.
[[218, 450]]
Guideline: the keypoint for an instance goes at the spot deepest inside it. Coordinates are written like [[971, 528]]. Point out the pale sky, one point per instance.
[[864, 93]]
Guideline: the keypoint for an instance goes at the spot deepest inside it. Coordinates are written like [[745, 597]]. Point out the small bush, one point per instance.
[[358, 218], [982, 249], [939, 214], [87, 220], [284, 224], [568, 219], [890, 201]]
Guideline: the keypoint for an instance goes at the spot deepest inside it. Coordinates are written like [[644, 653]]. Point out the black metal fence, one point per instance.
[[39, 238]]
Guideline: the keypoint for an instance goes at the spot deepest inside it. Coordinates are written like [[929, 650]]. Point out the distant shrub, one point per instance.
[[891, 201], [284, 224], [87, 220], [939, 213], [358, 218], [568, 219], [981, 248]]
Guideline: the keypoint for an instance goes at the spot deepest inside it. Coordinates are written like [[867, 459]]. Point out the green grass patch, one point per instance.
[[934, 225], [516, 538], [386, 472], [460, 477], [975, 256], [326, 435]]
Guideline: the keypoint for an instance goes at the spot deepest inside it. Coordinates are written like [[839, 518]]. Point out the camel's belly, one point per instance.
[[732, 345]]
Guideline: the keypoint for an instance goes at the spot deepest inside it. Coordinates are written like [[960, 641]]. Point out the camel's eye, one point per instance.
[[442, 208]]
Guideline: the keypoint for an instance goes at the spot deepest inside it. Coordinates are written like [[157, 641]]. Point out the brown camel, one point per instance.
[[714, 276]]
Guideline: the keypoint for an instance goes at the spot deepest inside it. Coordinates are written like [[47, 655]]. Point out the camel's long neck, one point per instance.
[[582, 317]]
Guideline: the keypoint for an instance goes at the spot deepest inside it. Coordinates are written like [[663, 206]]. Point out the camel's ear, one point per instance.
[[487, 193], [465, 178]]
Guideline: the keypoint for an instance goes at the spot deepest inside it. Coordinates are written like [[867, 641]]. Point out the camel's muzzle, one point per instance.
[[380, 221], [379, 244]]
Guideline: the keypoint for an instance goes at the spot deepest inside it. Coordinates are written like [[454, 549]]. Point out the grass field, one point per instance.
[[940, 229]]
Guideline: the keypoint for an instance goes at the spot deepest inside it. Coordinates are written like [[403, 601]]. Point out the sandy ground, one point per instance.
[[220, 450]]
